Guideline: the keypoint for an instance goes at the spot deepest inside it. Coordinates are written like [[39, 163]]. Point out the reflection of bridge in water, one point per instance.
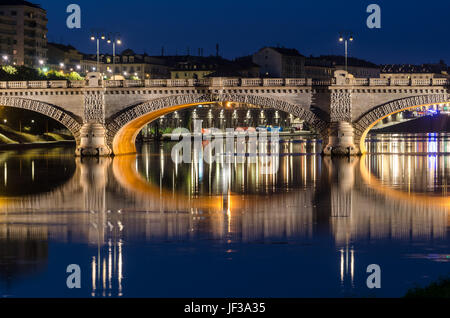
[[105, 194], [108, 202]]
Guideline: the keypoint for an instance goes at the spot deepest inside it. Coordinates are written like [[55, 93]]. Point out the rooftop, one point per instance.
[[285, 51], [352, 61], [19, 3]]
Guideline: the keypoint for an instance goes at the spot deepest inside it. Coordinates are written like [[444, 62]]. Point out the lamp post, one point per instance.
[[97, 37], [346, 39], [115, 40]]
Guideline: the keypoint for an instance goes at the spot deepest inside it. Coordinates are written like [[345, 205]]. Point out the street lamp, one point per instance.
[[346, 39], [98, 37], [115, 40], [61, 65], [5, 58]]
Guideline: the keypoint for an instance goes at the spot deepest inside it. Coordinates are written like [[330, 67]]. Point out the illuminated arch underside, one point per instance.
[[370, 119], [124, 127]]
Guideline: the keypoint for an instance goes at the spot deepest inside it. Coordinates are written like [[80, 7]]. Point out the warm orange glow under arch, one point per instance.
[[125, 140], [362, 142]]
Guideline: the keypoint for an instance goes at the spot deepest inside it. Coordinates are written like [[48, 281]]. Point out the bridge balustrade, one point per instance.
[[57, 84], [17, 85], [133, 83], [227, 82], [296, 82], [250, 82], [38, 84], [400, 82], [378, 82], [77, 84]]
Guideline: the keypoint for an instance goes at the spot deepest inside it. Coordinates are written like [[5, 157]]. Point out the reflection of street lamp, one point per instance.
[[346, 39]]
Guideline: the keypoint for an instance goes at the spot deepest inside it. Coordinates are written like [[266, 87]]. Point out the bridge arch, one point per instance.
[[367, 121], [123, 128], [69, 120]]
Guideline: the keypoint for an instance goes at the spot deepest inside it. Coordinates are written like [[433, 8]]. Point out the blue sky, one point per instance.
[[412, 31]]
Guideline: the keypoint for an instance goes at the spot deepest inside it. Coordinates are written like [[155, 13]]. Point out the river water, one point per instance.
[[145, 226]]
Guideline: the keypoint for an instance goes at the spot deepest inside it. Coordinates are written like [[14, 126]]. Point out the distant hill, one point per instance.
[[427, 124]]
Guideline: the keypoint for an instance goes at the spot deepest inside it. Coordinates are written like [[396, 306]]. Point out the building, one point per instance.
[[23, 33], [410, 71], [194, 67], [357, 67], [317, 68], [127, 65], [199, 67], [65, 57], [141, 66], [280, 62]]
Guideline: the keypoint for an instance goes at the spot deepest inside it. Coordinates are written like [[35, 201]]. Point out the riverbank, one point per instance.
[[14, 139], [440, 289], [48, 144]]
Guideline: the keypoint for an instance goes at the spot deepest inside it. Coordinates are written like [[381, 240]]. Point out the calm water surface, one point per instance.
[[143, 226]]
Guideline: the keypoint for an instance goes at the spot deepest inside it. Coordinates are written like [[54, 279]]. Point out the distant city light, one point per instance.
[[41, 62], [78, 67]]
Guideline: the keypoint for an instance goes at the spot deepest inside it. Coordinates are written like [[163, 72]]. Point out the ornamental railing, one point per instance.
[[228, 82]]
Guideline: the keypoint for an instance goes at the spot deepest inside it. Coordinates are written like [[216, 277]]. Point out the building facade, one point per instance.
[[280, 62], [23, 33], [63, 56]]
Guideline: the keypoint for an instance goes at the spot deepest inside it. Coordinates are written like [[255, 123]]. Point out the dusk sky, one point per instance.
[[412, 31]]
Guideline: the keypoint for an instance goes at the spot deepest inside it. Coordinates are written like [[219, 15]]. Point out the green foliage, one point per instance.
[[167, 130], [53, 75], [11, 70], [23, 73], [20, 73], [74, 76]]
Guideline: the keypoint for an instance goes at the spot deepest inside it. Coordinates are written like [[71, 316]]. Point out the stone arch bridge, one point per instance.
[[106, 116]]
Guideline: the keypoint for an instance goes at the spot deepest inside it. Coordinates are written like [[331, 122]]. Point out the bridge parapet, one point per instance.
[[154, 83], [229, 82], [396, 82]]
